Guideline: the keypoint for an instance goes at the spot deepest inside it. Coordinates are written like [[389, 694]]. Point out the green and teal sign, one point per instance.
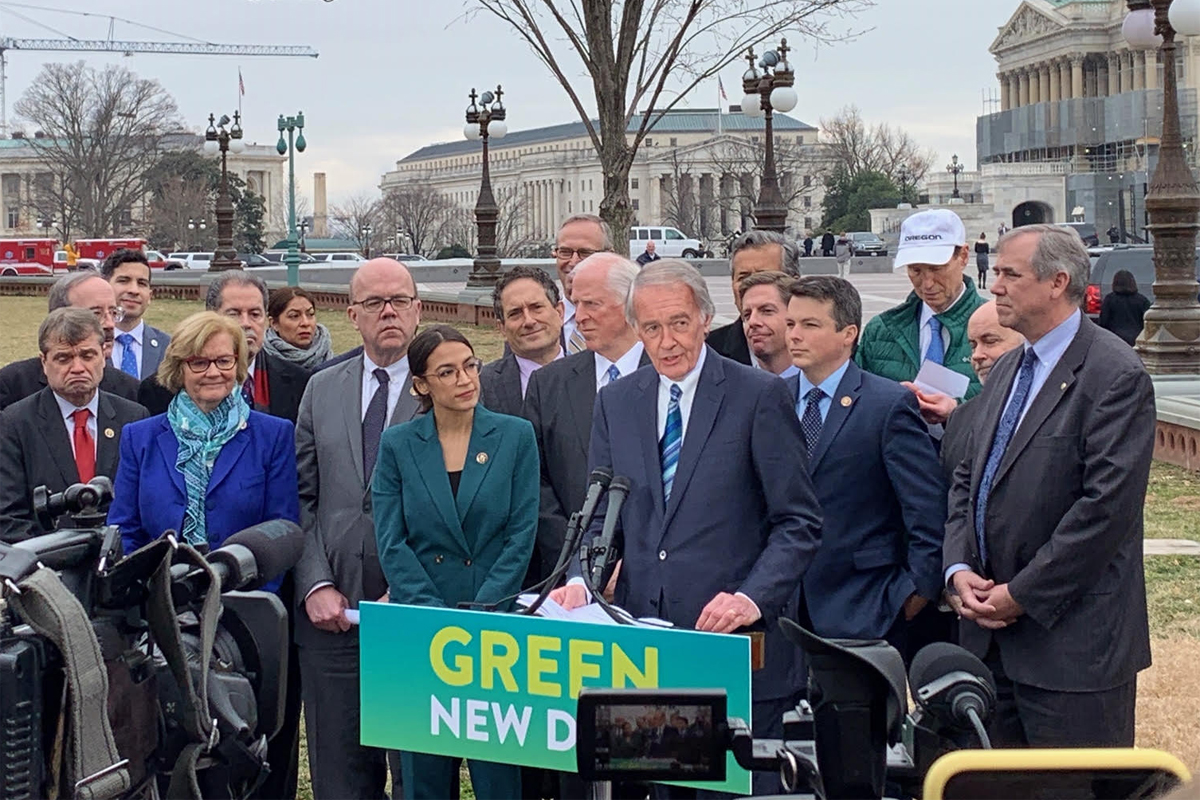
[[503, 687]]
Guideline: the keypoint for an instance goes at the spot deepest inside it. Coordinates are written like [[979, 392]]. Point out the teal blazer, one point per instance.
[[436, 550]]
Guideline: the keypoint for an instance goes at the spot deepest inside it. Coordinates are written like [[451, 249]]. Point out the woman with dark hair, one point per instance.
[[1124, 307], [981, 258], [294, 333], [455, 498]]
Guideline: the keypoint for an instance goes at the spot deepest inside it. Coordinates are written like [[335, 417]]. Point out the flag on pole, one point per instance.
[[241, 84], [721, 89], [720, 104]]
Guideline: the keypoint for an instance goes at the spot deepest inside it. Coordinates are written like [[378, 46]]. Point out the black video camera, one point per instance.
[[852, 737], [195, 667]]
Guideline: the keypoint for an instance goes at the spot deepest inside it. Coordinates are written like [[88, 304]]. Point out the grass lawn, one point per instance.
[[1169, 692]]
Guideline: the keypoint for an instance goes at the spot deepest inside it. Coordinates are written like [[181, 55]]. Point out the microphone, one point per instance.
[[954, 686], [603, 549], [598, 482], [254, 557]]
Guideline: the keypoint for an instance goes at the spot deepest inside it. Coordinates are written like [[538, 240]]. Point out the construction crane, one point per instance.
[[69, 43]]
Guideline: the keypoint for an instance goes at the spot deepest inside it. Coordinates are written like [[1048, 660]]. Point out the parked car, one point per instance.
[[339, 258], [256, 260], [405, 257], [277, 256], [867, 244], [668, 242], [1086, 230], [159, 261], [1138, 259], [192, 260]]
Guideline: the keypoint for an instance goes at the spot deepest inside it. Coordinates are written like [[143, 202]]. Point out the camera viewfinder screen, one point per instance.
[[654, 738]]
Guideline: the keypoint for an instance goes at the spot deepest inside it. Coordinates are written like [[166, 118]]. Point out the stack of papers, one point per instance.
[[592, 612]]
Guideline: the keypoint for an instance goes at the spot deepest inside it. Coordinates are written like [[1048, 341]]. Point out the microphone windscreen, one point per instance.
[[277, 546], [620, 484], [941, 658], [600, 475]]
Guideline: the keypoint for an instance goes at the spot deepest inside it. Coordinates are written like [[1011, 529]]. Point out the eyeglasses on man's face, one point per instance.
[[200, 365], [567, 253], [117, 313], [374, 305], [450, 374]]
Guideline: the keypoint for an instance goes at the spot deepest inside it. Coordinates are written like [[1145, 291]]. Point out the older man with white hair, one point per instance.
[[721, 521]]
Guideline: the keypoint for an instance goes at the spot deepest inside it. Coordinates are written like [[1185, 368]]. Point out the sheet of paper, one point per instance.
[[351, 615], [937, 378], [592, 612]]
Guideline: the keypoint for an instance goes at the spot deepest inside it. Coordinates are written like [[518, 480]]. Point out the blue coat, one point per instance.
[[437, 549], [253, 480], [883, 497], [742, 516]]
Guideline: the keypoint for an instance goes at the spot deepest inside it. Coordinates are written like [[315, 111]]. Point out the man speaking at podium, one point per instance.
[[721, 521]]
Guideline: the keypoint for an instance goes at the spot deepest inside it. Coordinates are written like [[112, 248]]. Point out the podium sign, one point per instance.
[[503, 687]]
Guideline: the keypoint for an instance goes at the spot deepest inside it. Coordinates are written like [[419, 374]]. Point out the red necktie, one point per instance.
[[85, 451]]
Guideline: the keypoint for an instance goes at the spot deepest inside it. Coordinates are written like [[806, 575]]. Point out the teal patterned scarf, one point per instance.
[[201, 437]]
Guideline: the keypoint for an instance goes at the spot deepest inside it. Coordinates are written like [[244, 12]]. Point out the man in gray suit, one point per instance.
[[342, 415], [561, 396], [1044, 539], [138, 347], [529, 313]]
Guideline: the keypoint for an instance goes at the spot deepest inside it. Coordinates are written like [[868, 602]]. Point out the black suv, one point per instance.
[[1137, 258]]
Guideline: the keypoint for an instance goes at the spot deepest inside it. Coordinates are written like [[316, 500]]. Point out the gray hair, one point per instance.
[[668, 271], [68, 326], [60, 292], [212, 300], [605, 230], [1058, 249], [621, 272], [759, 238]]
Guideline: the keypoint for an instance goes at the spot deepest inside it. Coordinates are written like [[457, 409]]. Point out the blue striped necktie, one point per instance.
[[128, 358], [672, 441]]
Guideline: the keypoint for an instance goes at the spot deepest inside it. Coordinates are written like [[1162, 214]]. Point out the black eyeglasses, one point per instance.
[[200, 365], [450, 374], [373, 305], [567, 253]]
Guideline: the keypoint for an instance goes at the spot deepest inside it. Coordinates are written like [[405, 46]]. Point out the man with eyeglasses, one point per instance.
[[273, 386], [87, 290], [342, 417], [66, 433], [578, 237]]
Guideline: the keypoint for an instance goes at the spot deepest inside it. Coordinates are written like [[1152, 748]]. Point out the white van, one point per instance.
[[668, 242]]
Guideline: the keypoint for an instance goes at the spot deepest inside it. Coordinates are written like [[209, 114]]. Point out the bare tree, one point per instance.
[[417, 211], [649, 55], [801, 170], [351, 218], [180, 203], [858, 148], [514, 236], [103, 134], [277, 219], [680, 200]]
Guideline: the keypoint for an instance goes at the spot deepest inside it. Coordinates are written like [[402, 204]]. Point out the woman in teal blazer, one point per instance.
[[455, 498]]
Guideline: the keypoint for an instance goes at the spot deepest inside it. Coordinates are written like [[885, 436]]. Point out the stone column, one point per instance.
[[1125, 64], [1055, 82], [1077, 76], [1151, 57], [1064, 79], [1114, 74], [1044, 79], [1139, 70], [1035, 86], [1005, 96], [1023, 88]]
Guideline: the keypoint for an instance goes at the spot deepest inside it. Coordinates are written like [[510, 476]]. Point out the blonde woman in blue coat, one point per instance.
[[455, 498]]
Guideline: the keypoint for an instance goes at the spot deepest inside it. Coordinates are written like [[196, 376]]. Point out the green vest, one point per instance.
[[890, 345]]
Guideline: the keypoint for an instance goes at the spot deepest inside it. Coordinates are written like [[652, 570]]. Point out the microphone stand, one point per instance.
[[620, 616], [570, 543]]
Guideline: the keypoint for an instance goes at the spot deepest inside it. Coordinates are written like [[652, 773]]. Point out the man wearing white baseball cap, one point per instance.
[[931, 325]]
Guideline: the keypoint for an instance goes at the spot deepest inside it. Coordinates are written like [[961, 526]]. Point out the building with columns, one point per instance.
[[1080, 117], [697, 170]]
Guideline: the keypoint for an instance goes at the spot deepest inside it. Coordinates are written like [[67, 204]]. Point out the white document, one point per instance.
[[351, 615], [591, 612], [935, 378]]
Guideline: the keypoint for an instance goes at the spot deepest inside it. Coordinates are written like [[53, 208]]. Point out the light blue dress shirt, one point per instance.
[[828, 386]]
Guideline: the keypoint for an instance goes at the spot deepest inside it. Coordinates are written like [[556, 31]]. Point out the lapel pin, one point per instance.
[[481, 458], [1064, 386], [154, 342], [846, 401], [109, 433], [242, 427]]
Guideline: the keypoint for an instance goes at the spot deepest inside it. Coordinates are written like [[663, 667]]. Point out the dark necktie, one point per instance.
[[248, 390], [811, 421], [1004, 433], [85, 448], [373, 423]]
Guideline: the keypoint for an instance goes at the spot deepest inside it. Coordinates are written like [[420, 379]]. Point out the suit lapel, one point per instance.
[[352, 411], [54, 432], [646, 411], [168, 446], [107, 447], [427, 451], [484, 442], [710, 393], [407, 406], [581, 400], [850, 386], [1002, 375], [1058, 382]]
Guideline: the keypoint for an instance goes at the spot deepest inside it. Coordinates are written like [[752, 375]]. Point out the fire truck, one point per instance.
[[99, 249], [27, 256]]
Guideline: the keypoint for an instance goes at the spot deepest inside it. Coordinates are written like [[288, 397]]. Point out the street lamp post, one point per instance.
[[954, 168], [1170, 341], [302, 228], [196, 225], [485, 120], [366, 239], [902, 174], [766, 92], [43, 223], [219, 139], [293, 144]]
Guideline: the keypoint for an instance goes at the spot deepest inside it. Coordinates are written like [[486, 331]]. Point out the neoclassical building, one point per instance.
[[697, 169], [23, 171], [1080, 115]]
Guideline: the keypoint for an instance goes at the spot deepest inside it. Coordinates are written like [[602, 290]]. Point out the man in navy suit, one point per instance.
[[137, 347], [722, 521], [875, 472]]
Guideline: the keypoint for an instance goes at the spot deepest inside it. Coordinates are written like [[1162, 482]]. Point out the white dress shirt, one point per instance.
[[119, 349], [687, 384], [528, 367], [569, 323], [397, 375], [626, 364], [927, 313], [67, 409]]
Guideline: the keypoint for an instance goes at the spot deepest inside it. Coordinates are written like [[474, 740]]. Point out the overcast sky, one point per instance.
[[393, 75]]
